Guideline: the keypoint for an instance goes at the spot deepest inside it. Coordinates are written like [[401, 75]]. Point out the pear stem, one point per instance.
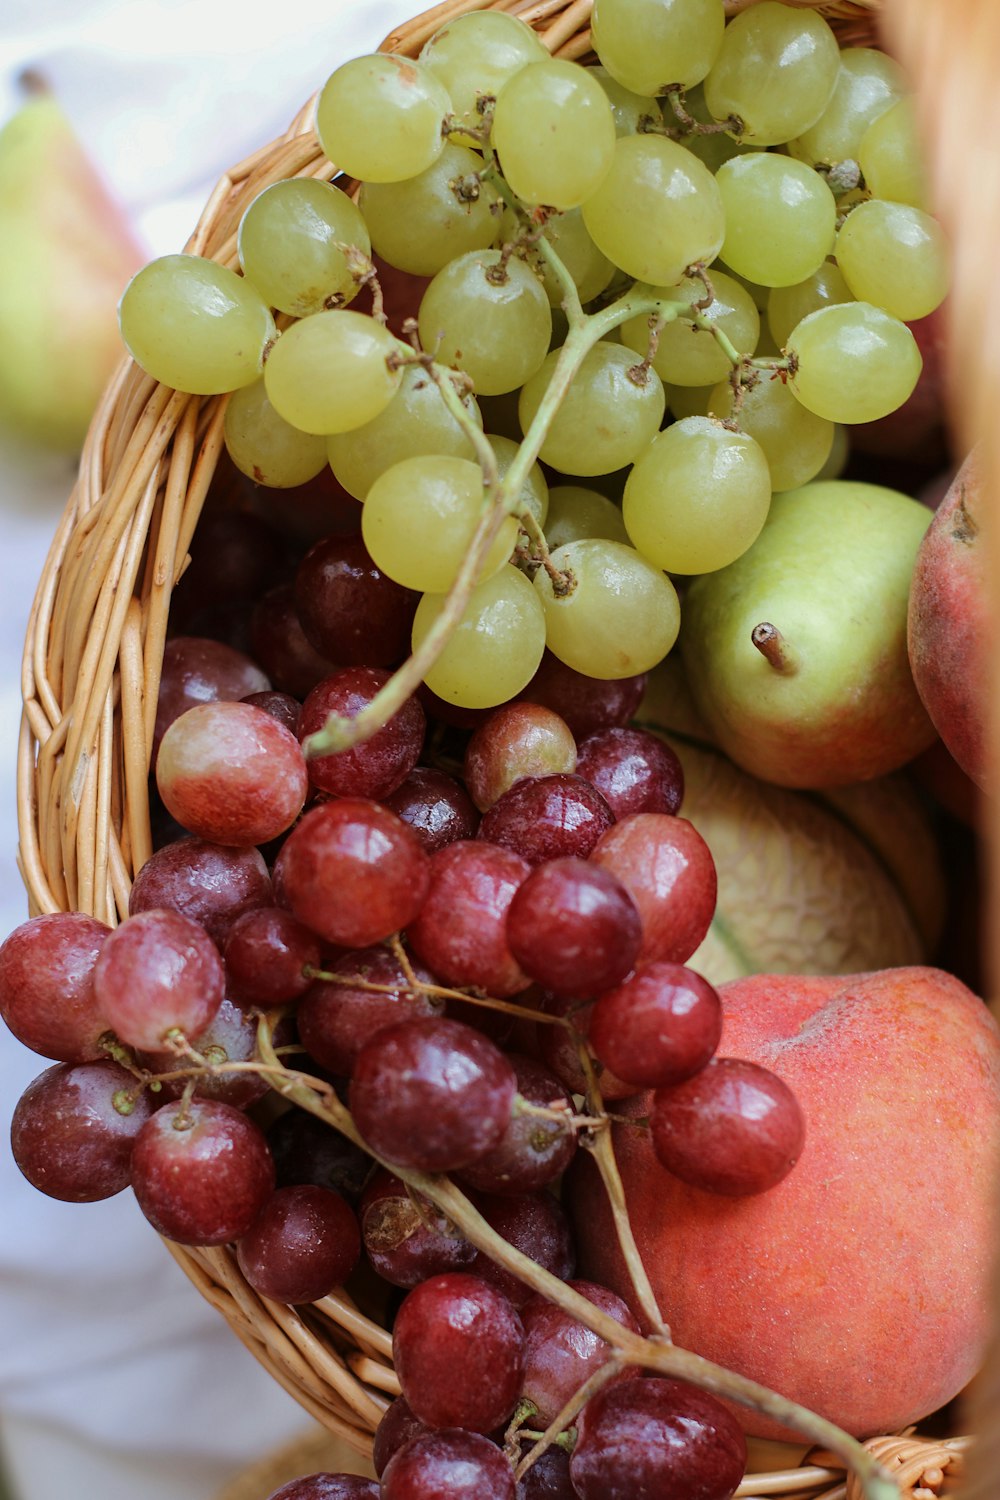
[[774, 648]]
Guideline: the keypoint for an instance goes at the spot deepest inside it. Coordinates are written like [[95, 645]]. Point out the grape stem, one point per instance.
[[651, 1353], [585, 330]]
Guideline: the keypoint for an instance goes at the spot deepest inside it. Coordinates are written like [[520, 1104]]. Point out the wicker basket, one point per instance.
[[98, 626]]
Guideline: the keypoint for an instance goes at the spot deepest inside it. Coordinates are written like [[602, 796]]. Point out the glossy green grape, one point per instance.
[[855, 363], [474, 55], [620, 616], [781, 218], [421, 224], [788, 305], [607, 416], [576, 514], [686, 355], [868, 83], [379, 118], [895, 257], [294, 241], [795, 441], [562, 105], [264, 446], [496, 647], [652, 45], [332, 372], [776, 72], [489, 318]]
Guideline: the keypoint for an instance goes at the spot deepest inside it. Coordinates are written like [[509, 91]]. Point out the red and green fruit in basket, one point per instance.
[[458, 976]]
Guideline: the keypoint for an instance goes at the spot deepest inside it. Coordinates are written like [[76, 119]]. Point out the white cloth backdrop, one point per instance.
[[116, 1380]]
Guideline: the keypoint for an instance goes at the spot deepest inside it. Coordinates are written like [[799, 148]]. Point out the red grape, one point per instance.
[[353, 872], [461, 930], [350, 610], [734, 1128], [47, 985], [436, 806], [201, 1172], [336, 1019], [561, 1353], [643, 1439], [397, 1427], [517, 740], [328, 1487], [308, 1150], [548, 817], [548, 1478], [458, 1349], [230, 773], [668, 870], [236, 557], [532, 1151], [431, 1094], [407, 1239], [279, 644], [659, 1027], [281, 706], [574, 928], [210, 883], [198, 670], [230, 1036], [68, 1138], [449, 1465], [634, 771], [303, 1243], [377, 765], [156, 973], [588, 704], [533, 1223], [266, 952], [558, 1050]]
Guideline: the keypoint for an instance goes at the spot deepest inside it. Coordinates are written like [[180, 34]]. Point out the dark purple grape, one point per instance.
[[532, 1151], [381, 762], [230, 1036], [461, 930], [47, 985], [548, 817], [279, 644], [303, 1243], [67, 1136], [558, 1049], [561, 1353], [407, 1241], [353, 872], [586, 703], [350, 610], [643, 1439], [449, 1465], [634, 771], [156, 973], [397, 1427], [308, 1150], [328, 1487], [281, 706], [458, 1349], [201, 1172], [211, 884], [548, 1478], [533, 1223], [198, 670], [659, 1027], [436, 806], [734, 1128], [431, 1094], [235, 558], [336, 1019], [574, 927], [266, 953], [517, 740]]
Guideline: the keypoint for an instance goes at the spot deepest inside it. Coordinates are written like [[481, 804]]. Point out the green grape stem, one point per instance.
[[652, 1353], [585, 330]]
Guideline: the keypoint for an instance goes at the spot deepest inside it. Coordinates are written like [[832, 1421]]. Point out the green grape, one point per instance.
[[686, 355], [419, 519], [776, 71], [890, 156], [796, 442], [589, 267], [195, 325], [560, 104], [855, 363], [688, 400], [576, 513], [496, 647], [606, 416], [653, 45], [379, 118], [712, 147], [697, 497], [331, 372], [894, 256], [788, 305], [867, 84], [534, 492], [474, 55], [415, 423], [657, 212], [421, 224], [631, 112], [759, 295], [293, 241], [489, 318], [264, 446], [781, 218], [620, 617]]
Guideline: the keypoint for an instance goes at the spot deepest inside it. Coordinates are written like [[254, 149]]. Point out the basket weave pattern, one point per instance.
[[90, 680]]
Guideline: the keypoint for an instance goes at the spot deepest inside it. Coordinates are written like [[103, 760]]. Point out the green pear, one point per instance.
[[796, 653], [66, 254]]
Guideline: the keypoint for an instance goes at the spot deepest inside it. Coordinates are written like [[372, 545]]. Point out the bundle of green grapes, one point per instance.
[[722, 222]]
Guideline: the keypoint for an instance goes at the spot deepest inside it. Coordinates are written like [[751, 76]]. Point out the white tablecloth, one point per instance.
[[116, 1380]]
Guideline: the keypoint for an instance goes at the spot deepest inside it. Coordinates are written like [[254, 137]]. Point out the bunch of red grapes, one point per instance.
[[471, 928]]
